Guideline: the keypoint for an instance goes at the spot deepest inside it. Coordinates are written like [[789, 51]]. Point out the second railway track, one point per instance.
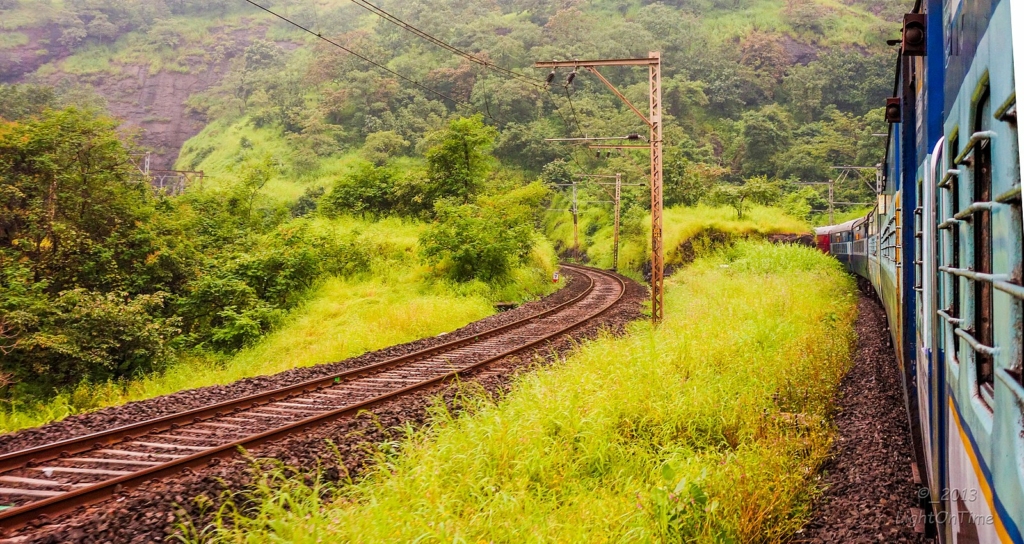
[[56, 478]]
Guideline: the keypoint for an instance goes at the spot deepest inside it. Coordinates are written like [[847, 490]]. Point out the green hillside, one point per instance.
[[753, 86], [310, 153]]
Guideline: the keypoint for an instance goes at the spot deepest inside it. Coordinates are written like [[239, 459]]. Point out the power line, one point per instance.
[[565, 122], [577, 119], [365, 59], [380, 12]]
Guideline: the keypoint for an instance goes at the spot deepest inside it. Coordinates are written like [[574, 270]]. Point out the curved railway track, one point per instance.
[[53, 479]]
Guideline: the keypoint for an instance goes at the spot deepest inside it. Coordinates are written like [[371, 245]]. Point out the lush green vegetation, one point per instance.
[[681, 225], [341, 318], [104, 283], [708, 428], [109, 293]]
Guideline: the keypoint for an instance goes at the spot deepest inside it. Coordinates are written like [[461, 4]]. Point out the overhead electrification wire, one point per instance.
[[577, 119], [568, 128], [380, 12], [367, 60]]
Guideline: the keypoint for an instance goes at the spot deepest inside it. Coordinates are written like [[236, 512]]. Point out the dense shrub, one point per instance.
[[80, 335], [368, 189], [98, 278], [483, 240]]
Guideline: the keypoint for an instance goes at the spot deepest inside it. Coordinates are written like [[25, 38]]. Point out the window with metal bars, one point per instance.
[[954, 253], [981, 227], [919, 248]]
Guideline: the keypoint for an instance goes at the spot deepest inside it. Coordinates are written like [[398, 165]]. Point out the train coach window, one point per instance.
[[954, 255], [982, 229]]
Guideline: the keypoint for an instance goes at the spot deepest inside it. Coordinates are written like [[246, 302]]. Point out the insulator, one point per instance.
[[633, 136], [572, 76], [551, 76]]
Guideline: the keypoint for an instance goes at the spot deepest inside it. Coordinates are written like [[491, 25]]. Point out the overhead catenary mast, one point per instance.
[[653, 121]]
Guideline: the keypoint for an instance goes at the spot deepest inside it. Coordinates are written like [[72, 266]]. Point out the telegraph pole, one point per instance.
[[575, 225], [617, 200], [653, 121], [831, 202], [657, 251], [618, 203]]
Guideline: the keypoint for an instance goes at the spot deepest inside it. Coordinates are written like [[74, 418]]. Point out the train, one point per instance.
[[942, 249]]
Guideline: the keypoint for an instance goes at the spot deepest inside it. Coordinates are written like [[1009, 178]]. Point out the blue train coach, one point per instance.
[[942, 249]]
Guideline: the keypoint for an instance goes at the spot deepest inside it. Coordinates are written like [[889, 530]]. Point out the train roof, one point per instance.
[[842, 227]]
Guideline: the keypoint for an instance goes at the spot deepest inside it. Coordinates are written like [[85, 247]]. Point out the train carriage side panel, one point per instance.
[[980, 333]]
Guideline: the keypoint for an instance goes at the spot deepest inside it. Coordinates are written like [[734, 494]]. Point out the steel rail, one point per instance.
[[74, 445], [17, 517]]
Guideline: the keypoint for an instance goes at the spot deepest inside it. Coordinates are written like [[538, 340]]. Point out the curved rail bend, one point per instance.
[[97, 465]]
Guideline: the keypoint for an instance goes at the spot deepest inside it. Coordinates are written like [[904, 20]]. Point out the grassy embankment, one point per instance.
[[397, 301], [708, 428], [222, 148], [680, 225]]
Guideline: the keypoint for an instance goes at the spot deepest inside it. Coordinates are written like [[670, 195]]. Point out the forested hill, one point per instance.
[[781, 88]]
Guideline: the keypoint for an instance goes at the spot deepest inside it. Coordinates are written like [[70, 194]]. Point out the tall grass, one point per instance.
[[709, 428]]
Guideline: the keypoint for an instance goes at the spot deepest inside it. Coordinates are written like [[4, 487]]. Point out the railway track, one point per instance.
[[52, 479]]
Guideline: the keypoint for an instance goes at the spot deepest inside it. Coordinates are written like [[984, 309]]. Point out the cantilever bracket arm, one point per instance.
[[621, 96]]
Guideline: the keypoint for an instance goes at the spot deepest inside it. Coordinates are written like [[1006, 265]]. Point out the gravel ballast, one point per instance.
[[869, 484]]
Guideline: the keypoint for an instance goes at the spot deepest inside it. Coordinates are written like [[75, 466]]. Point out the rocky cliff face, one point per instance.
[[151, 103], [155, 105], [23, 60]]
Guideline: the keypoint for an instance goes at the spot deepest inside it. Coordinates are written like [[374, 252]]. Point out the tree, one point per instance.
[[766, 133], [557, 173], [257, 59], [255, 177], [72, 30], [459, 158], [20, 101], [366, 189], [758, 190], [851, 81], [766, 56], [101, 28], [67, 203], [484, 240], [380, 147], [687, 182]]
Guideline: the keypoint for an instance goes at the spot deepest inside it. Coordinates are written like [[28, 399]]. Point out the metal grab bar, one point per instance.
[[946, 179], [968, 213], [949, 223], [974, 343], [999, 281], [1013, 195], [976, 138], [954, 321]]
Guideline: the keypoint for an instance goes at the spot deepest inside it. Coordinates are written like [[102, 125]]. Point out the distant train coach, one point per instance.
[[942, 248]]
